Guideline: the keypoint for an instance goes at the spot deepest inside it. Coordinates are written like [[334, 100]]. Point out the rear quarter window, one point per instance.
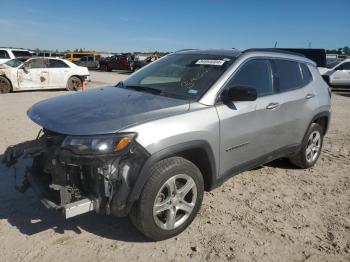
[[307, 77], [288, 74], [53, 63]]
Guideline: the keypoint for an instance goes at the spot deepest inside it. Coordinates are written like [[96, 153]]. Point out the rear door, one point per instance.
[[296, 99], [341, 75], [33, 74], [58, 71], [250, 130]]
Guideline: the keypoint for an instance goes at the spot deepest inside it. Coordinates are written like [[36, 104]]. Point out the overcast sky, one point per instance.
[[120, 26]]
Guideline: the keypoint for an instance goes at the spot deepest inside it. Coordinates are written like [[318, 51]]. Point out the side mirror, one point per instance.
[[239, 93]]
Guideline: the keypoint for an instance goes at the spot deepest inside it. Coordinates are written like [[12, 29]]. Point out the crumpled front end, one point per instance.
[[74, 183]]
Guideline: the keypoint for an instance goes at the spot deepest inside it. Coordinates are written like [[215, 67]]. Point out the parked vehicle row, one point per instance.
[[127, 62], [151, 145], [41, 73]]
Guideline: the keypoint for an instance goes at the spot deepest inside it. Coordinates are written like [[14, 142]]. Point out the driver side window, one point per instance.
[[36, 63], [257, 74]]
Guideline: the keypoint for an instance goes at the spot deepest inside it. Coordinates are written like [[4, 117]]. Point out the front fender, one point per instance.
[[145, 173]]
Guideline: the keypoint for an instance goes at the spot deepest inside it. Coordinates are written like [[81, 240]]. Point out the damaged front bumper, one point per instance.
[[76, 184]]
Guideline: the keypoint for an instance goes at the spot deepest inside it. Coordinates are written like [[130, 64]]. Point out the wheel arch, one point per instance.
[[11, 85], [198, 152], [78, 76], [322, 119]]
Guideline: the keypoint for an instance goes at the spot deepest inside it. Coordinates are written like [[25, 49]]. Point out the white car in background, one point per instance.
[[337, 73], [7, 54], [41, 73]]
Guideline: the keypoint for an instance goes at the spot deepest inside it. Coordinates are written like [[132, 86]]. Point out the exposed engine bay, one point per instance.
[[76, 184]]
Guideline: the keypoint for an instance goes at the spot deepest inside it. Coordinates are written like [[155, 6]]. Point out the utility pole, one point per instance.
[[309, 44], [275, 44]]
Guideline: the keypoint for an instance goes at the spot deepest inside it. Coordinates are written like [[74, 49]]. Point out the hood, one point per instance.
[[102, 111], [3, 66]]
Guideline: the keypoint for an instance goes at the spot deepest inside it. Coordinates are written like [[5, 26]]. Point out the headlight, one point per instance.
[[100, 144]]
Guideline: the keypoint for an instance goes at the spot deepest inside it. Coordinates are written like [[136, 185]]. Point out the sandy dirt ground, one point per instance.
[[273, 213]]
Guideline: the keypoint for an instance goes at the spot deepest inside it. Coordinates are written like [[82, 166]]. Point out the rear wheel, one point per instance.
[[311, 148], [170, 199], [5, 85], [74, 83]]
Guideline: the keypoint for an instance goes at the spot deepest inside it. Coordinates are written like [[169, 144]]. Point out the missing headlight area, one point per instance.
[[78, 183]]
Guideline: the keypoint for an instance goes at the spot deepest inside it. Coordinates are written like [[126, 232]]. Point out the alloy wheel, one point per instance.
[[313, 146], [175, 202]]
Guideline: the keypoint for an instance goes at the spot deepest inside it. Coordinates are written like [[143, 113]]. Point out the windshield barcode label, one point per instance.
[[210, 62]]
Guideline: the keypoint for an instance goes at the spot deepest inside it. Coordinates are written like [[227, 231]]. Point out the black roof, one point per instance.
[[273, 50]]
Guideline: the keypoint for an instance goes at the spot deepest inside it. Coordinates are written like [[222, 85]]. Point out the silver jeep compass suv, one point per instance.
[[151, 145]]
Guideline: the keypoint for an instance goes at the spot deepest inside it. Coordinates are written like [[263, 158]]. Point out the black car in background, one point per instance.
[[127, 62]]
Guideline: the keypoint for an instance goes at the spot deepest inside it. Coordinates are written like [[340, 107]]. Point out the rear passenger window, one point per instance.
[[57, 64], [4, 54], [307, 77], [288, 75], [257, 74], [345, 66]]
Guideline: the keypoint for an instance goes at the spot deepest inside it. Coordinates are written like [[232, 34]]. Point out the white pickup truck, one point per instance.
[[337, 73]]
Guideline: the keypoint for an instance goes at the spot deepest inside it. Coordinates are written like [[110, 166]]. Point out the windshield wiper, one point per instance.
[[145, 89]]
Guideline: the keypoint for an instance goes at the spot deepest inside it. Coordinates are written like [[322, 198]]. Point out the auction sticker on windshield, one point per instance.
[[210, 62]]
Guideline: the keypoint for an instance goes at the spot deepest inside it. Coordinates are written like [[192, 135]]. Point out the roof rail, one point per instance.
[[272, 50]]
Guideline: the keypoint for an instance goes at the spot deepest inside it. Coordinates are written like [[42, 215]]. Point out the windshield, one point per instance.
[[13, 63], [186, 76], [332, 63]]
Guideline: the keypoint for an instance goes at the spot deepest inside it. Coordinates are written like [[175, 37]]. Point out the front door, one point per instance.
[[250, 130], [33, 74]]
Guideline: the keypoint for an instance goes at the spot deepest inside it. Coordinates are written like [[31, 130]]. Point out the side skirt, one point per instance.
[[249, 165]]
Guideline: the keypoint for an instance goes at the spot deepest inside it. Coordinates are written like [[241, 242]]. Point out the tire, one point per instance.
[[5, 85], [74, 83], [310, 149], [103, 68], [157, 224]]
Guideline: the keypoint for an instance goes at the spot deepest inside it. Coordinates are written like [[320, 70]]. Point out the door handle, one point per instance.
[[44, 72], [308, 96], [272, 105]]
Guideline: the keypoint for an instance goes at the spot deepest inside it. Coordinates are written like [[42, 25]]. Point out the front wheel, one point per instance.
[[310, 149], [170, 199]]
